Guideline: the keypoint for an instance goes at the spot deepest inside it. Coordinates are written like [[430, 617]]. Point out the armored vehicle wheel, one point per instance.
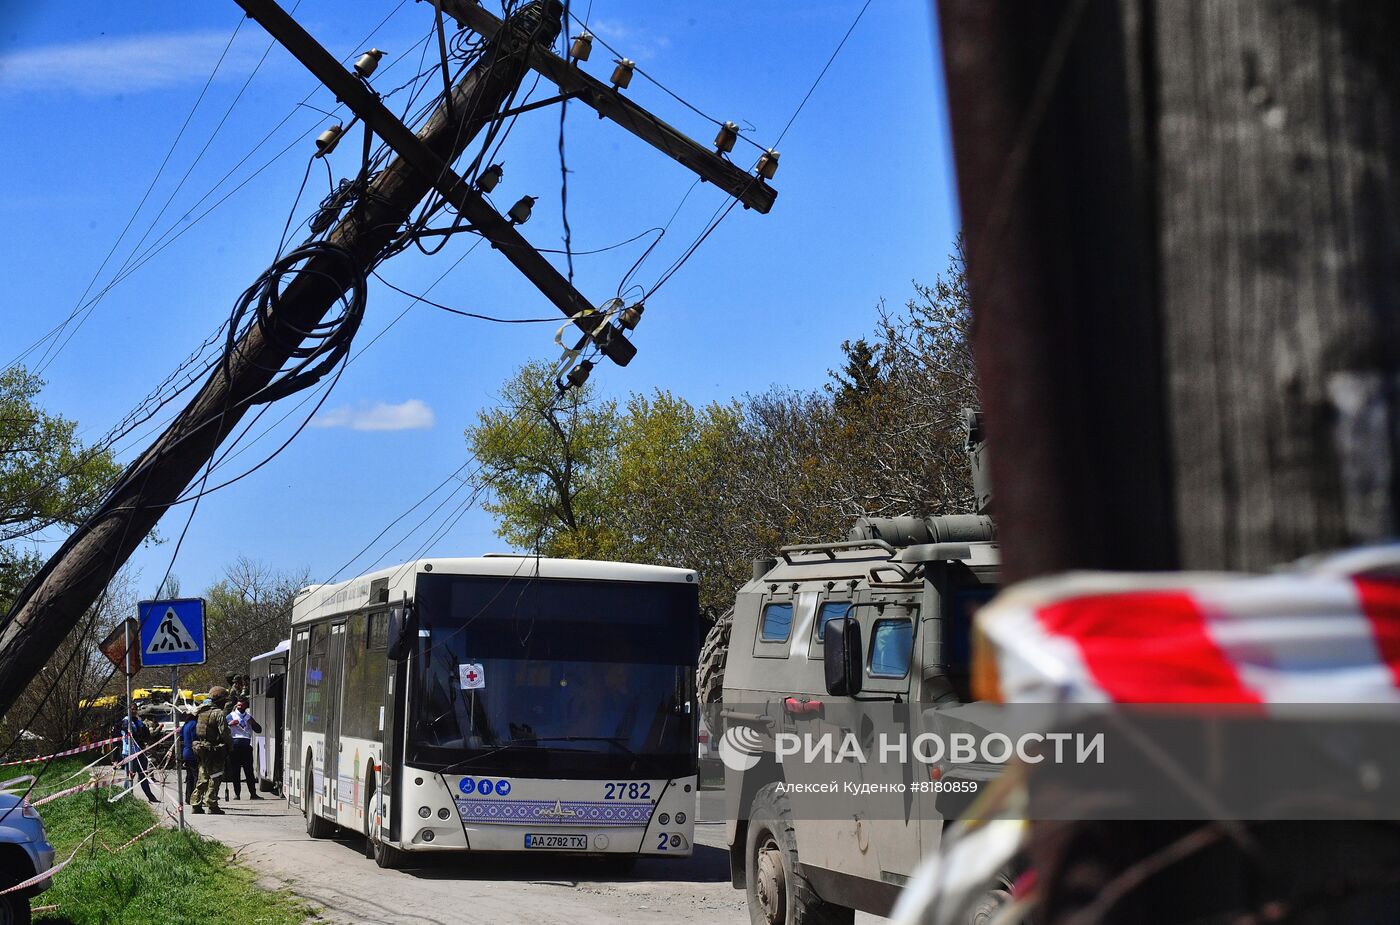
[[316, 827], [992, 903], [709, 676], [778, 890]]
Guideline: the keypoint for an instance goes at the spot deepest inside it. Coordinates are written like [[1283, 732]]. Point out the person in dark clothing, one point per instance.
[[190, 759], [135, 737]]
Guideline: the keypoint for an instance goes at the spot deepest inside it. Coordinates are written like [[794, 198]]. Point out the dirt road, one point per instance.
[[270, 839]]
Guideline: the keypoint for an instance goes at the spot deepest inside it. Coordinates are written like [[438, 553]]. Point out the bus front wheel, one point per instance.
[[316, 827], [386, 856], [778, 890]]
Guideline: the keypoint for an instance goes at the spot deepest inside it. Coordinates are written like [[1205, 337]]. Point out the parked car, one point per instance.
[[25, 852]]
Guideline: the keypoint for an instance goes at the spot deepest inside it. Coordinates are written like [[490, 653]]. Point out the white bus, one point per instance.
[[504, 703]]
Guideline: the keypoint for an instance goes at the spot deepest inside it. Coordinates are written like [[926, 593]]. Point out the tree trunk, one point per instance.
[[70, 581], [1182, 222]]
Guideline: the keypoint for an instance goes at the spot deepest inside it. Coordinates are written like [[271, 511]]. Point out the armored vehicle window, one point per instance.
[[831, 610], [777, 623], [891, 645]]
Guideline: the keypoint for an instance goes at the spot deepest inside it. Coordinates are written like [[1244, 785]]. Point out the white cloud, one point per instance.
[[410, 415], [129, 64], [630, 41]]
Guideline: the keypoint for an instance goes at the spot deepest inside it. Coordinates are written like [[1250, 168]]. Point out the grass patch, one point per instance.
[[167, 877]]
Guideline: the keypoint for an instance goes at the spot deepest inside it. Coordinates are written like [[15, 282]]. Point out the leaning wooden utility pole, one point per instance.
[[69, 582], [73, 578], [1181, 225]]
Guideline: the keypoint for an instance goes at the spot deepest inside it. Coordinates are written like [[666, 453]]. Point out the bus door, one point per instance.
[[335, 669], [295, 714]]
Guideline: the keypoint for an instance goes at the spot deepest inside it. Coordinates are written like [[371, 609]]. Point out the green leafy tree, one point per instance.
[[660, 480], [859, 377], [665, 488], [545, 459], [47, 476]]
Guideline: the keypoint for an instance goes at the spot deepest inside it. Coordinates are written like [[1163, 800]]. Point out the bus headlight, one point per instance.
[[665, 818], [428, 835], [675, 841], [680, 818], [424, 811], [444, 813]]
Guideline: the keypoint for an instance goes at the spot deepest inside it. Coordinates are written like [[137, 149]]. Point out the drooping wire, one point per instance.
[[564, 168], [50, 352], [467, 314], [317, 348], [665, 89], [723, 211], [178, 229]]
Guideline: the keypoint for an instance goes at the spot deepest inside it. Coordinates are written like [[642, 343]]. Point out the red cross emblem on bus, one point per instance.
[[472, 676]]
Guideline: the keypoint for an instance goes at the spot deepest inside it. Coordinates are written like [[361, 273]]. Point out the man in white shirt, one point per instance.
[[241, 727]]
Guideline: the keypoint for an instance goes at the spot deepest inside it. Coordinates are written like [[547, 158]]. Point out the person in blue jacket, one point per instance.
[[190, 759], [135, 739]]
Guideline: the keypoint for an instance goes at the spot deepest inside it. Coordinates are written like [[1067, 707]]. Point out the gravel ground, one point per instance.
[[270, 839]]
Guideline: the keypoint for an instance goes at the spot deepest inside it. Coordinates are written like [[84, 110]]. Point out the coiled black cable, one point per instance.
[[318, 349]]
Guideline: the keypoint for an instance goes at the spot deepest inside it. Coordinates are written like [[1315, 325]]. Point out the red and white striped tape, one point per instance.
[[87, 785], [134, 755], [1329, 633], [62, 754], [137, 838]]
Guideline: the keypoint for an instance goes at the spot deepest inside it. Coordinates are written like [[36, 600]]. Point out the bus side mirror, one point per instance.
[[403, 626], [843, 657]]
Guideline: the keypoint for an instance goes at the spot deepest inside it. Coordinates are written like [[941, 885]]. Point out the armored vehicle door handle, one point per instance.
[[752, 719], [795, 707]]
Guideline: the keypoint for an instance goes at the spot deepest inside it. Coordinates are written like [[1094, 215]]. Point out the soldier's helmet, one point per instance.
[[217, 694]]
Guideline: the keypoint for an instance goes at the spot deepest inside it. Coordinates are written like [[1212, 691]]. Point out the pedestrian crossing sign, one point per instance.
[[172, 632]]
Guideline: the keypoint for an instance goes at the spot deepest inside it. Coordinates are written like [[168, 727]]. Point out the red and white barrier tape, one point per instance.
[[88, 785], [139, 752], [63, 754], [40, 878], [1327, 632], [137, 838]]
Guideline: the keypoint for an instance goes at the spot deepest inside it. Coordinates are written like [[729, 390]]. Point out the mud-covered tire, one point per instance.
[[709, 676], [778, 891], [316, 827]]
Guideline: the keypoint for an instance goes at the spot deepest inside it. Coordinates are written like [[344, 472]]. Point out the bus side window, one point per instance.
[[313, 709], [378, 635]]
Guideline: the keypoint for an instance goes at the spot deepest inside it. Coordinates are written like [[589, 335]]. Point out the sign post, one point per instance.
[[172, 633]]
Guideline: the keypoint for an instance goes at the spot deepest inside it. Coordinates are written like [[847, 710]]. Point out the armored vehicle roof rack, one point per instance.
[[831, 549]]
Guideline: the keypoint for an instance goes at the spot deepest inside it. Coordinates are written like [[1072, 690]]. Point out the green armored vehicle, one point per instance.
[[882, 617]]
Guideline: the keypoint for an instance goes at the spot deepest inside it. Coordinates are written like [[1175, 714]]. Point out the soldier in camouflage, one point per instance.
[[211, 748]]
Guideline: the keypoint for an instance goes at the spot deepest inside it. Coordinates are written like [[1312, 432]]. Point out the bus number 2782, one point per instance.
[[627, 791]]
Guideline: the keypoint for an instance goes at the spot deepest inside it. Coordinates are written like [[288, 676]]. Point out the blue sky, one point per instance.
[[94, 95]]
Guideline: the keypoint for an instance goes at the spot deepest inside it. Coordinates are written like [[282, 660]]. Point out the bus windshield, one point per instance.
[[554, 678]]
